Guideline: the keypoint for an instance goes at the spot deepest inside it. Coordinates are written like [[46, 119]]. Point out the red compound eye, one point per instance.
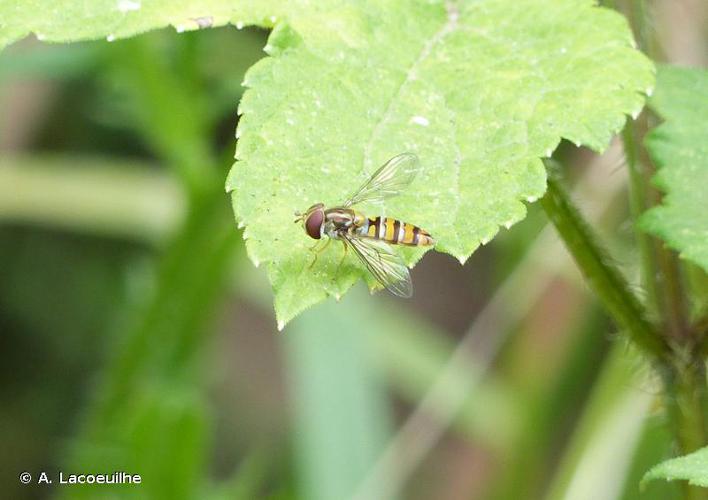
[[313, 224]]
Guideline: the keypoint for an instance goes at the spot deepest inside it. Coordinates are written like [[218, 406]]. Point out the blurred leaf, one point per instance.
[[247, 482], [160, 432], [550, 407], [412, 354], [168, 443], [59, 296], [479, 90], [152, 387], [339, 403], [161, 95], [597, 459], [692, 467], [152, 393], [679, 150], [45, 62], [93, 195], [655, 444]]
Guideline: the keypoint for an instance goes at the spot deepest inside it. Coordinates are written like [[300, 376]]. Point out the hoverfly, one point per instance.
[[370, 238]]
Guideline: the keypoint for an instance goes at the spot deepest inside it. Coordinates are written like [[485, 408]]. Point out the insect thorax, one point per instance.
[[341, 220]]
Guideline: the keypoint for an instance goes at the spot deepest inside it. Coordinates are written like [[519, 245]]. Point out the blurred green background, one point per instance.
[[135, 335]]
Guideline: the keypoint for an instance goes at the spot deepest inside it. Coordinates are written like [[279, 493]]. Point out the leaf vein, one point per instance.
[[450, 26]]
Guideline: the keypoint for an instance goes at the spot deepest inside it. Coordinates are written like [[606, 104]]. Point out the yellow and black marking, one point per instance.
[[395, 232]]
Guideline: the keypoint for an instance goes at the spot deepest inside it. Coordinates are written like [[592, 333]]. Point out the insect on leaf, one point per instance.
[[390, 180], [479, 91]]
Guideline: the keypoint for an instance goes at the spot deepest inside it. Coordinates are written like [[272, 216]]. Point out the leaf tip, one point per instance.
[[281, 325], [651, 475], [689, 468]]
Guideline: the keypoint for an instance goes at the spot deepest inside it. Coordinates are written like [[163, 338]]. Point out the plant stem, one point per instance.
[[174, 122], [678, 358], [164, 343], [687, 407], [684, 377], [637, 206], [659, 266], [684, 371], [674, 310], [641, 23], [688, 402], [601, 274]]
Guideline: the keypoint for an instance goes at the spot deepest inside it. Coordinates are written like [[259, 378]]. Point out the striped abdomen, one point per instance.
[[395, 232]]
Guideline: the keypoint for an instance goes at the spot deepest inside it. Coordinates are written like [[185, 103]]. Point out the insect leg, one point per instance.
[[318, 251], [341, 261]]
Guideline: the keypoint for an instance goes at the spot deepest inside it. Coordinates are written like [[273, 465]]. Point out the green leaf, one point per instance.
[[679, 149], [692, 467], [71, 20], [480, 91]]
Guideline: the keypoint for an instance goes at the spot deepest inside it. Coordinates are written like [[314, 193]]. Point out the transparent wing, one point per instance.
[[389, 180], [385, 264]]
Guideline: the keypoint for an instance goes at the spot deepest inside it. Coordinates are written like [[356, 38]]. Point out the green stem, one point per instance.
[[173, 120], [684, 376], [602, 276], [163, 347], [688, 402], [660, 271], [638, 204], [687, 407], [674, 309], [680, 362], [683, 369], [640, 20]]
